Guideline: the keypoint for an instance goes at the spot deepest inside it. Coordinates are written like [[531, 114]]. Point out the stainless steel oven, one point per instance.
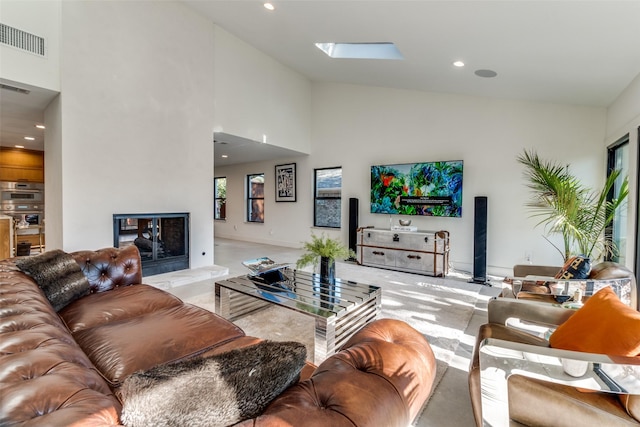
[[21, 193], [23, 200]]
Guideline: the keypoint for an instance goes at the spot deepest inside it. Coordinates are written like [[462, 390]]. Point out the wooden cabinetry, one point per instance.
[[17, 164], [6, 236], [424, 252]]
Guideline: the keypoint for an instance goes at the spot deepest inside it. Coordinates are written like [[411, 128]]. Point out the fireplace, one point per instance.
[[161, 238]]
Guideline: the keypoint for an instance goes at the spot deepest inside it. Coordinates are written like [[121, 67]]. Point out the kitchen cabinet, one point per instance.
[[17, 164], [424, 252], [6, 236]]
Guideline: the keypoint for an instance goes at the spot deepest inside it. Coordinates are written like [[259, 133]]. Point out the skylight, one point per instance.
[[384, 50]]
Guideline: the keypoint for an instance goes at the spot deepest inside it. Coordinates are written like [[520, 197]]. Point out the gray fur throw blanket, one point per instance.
[[58, 275], [215, 391]]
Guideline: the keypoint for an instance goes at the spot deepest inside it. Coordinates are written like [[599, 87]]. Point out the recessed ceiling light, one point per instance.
[[485, 73], [269, 6], [40, 126], [19, 146], [458, 64], [29, 138], [224, 156], [382, 50]]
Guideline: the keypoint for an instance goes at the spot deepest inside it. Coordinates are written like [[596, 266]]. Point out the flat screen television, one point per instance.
[[429, 189]]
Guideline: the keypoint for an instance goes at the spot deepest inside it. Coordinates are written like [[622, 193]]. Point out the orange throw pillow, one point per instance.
[[603, 325]]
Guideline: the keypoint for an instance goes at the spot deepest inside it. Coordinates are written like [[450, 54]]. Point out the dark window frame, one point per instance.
[[612, 151], [250, 198], [316, 198], [222, 214]]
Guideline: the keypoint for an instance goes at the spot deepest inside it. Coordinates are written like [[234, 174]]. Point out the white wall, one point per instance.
[[370, 126], [259, 98], [256, 97], [356, 127], [286, 223], [53, 174], [624, 113], [623, 117], [136, 132], [137, 119], [41, 18]]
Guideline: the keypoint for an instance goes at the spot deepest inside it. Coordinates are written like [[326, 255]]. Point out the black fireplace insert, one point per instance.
[[161, 238]]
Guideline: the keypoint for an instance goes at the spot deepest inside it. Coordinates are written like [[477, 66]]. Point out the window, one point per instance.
[[255, 197], [220, 197], [327, 197], [618, 159]]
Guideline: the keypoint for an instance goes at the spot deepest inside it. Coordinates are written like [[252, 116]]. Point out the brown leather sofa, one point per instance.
[[65, 368]]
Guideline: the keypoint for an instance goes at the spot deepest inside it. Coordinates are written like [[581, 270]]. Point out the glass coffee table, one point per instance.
[[340, 309]]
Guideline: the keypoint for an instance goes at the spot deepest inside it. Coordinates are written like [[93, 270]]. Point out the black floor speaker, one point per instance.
[[353, 224], [480, 241]]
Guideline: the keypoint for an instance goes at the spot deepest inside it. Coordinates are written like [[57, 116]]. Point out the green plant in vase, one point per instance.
[[327, 250], [565, 206]]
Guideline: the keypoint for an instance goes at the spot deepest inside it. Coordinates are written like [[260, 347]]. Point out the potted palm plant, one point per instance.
[[326, 250], [565, 206]]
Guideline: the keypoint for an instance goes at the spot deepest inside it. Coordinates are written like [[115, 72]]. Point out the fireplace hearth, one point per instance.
[[161, 238]]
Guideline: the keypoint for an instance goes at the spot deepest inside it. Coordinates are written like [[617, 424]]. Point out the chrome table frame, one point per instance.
[[339, 309], [588, 287]]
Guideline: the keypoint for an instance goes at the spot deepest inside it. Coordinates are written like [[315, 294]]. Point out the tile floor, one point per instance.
[[449, 405]]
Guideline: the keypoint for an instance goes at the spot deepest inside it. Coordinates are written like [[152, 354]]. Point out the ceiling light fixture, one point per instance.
[[485, 73], [381, 50], [19, 146], [29, 138], [269, 6], [224, 156], [40, 126], [458, 64]]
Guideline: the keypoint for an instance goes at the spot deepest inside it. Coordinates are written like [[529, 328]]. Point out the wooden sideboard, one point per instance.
[[424, 252]]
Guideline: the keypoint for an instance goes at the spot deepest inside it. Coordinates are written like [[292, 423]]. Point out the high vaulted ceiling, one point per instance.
[[560, 51], [569, 52]]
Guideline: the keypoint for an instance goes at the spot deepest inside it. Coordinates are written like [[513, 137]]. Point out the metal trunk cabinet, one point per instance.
[[424, 252]]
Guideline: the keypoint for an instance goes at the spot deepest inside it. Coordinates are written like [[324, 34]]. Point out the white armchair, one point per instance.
[[515, 378], [537, 283]]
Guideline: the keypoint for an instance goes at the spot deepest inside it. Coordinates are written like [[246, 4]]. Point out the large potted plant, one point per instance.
[[326, 250], [566, 206]]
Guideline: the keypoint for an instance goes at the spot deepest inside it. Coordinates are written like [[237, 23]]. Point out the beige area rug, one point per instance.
[[273, 323], [439, 308]]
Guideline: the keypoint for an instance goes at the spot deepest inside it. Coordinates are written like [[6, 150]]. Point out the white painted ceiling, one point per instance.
[[569, 52], [19, 114], [561, 51]]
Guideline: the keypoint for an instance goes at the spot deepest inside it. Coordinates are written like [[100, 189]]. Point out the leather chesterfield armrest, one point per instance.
[[382, 376], [110, 268]]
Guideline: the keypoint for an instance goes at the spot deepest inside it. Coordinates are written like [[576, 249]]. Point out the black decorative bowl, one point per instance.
[[562, 298]]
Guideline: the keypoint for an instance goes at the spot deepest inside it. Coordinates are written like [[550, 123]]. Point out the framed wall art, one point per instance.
[[286, 183]]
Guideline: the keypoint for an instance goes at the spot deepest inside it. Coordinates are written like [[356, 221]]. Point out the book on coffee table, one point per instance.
[[262, 265]]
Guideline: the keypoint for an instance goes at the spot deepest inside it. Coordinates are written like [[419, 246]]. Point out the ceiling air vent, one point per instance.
[[22, 40], [15, 89]]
